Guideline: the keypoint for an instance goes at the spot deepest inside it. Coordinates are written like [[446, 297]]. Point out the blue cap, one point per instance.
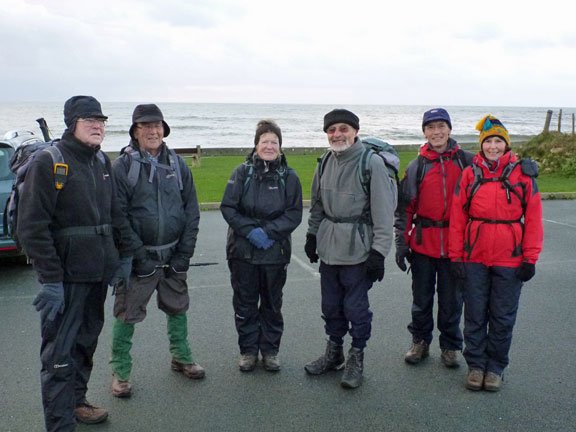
[[436, 114]]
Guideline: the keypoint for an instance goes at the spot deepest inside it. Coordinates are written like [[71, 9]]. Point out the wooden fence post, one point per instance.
[[572, 124], [547, 122], [560, 120]]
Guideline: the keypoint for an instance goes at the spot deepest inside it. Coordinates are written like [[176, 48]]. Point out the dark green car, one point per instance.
[[8, 145]]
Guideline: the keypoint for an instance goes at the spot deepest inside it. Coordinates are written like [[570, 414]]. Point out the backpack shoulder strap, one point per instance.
[[60, 166], [175, 164], [478, 176], [134, 170], [364, 168]]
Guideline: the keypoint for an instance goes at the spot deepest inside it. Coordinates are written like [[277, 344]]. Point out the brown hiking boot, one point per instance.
[[121, 389], [417, 353], [89, 414], [475, 379], [450, 358], [247, 362], [271, 363], [492, 382], [191, 370]]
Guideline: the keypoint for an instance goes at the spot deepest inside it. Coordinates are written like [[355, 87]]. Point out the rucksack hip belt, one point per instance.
[[469, 247], [103, 230], [422, 222], [357, 222]]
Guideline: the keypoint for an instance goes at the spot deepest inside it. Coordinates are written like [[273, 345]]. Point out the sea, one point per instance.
[[217, 125]]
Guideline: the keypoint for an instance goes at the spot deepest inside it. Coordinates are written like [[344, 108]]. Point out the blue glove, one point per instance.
[[123, 272], [260, 239], [50, 300]]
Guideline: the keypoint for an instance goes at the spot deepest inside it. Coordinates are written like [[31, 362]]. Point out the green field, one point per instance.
[[213, 173]]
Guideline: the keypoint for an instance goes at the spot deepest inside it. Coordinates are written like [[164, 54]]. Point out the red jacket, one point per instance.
[[480, 233], [423, 211]]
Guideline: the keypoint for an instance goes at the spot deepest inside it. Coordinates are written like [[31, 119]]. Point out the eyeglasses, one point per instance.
[[93, 121], [150, 126]]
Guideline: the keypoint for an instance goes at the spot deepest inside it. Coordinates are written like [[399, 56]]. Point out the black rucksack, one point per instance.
[[29, 146], [19, 164]]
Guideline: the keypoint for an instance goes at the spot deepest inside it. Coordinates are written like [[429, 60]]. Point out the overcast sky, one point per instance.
[[455, 52]]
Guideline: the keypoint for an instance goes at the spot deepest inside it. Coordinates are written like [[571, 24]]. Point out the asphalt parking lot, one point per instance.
[[539, 391]]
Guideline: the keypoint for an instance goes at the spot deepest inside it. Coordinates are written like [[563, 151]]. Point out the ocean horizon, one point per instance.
[[222, 125]]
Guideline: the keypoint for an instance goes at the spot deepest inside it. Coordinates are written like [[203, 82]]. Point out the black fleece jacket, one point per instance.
[[85, 200]]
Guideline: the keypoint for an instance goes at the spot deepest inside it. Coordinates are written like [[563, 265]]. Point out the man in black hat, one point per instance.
[[65, 227], [350, 231], [158, 200]]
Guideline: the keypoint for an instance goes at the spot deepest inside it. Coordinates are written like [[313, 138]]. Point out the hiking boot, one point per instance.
[[474, 379], [492, 382], [450, 358], [352, 377], [121, 389], [417, 353], [89, 414], [271, 363], [247, 362], [191, 370], [333, 359]]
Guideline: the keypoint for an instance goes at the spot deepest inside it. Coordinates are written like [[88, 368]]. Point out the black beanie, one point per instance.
[[341, 116], [265, 126], [81, 107]]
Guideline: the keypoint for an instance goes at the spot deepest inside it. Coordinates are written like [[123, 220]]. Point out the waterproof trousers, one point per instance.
[[345, 304], [121, 360], [491, 298], [68, 345], [257, 301], [429, 276]]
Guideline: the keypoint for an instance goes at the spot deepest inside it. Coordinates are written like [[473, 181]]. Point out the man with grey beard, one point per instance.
[[350, 231]]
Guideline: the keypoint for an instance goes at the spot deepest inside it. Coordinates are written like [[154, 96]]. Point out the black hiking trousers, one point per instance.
[[257, 304], [68, 345]]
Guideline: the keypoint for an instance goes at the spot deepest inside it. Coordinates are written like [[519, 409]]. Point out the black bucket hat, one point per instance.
[[81, 107], [148, 113]]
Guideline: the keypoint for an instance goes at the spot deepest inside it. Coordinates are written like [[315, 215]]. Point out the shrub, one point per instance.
[[555, 153]]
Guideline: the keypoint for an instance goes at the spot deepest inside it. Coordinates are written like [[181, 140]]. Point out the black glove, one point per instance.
[[458, 270], [526, 271], [123, 272], [402, 257], [178, 264], [375, 266], [144, 268], [310, 248], [50, 300]]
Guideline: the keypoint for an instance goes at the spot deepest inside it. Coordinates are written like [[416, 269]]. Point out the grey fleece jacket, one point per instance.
[[338, 195]]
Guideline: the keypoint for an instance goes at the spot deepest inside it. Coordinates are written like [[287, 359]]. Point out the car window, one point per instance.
[[5, 155]]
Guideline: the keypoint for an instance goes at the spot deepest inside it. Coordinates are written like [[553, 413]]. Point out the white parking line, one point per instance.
[[306, 267], [559, 223]]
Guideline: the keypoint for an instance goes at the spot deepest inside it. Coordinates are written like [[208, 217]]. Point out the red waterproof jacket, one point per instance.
[[425, 199], [495, 230]]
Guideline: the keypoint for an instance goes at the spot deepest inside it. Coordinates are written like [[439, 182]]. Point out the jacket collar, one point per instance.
[[82, 150], [494, 168], [429, 153], [349, 153]]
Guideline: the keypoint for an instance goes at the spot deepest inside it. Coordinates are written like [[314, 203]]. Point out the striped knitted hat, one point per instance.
[[491, 126]]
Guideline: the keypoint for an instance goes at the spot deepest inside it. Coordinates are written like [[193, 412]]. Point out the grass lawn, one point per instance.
[[214, 171]]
